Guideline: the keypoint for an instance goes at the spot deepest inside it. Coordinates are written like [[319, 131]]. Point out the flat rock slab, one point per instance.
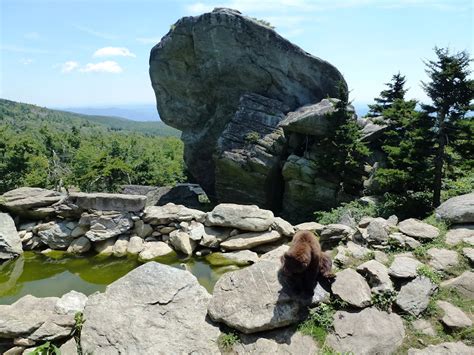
[[244, 217], [171, 213], [154, 309], [30, 202], [418, 229], [367, 332], [453, 317], [414, 296], [36, 319], [352, 288], [376, 275], [458, 348], [108, 202], [241, 258], [153, 250], [443, 259], [250, 240], [459, 209], [459, 234], [253, 299], [276, 342], [10, 242], [463, 284], [404, 267]]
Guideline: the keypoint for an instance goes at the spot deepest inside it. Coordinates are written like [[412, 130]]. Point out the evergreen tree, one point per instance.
[[396, 91], [451, 92]]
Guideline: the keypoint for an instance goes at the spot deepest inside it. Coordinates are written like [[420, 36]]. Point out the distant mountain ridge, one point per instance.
[[138, 112], [15, 112]]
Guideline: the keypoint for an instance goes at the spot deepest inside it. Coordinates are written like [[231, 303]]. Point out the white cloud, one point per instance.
[[148, 40], [32, 35], [69, 66], [113, 52], [108, 66], [26, 61]]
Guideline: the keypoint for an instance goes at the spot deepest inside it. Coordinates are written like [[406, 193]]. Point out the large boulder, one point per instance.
[[105, 224], [244, 217], [459, 209], [171, 213], [107, 202], [203, 66], [256, 298], [56, 235], [154, 309], [368, 332], [10, 242], [249, 153], [418, 229], [30, 202], [414, 296], [352, 288]]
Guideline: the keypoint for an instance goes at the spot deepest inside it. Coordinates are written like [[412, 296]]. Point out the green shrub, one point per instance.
[[252, 137], [47, 348], [384, 300], [227, 340], [356, 209], [434, 276], [263, 22], [461, 186], [319, 322]]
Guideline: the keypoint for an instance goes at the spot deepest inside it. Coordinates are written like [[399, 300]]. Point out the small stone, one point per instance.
[[213, 236], [105, 247], [453, 317], [182, 242], [464, 284], [135, 245], [142, 229], [71, 303], [414, 296], [79, 231], [167, 230], [352, 288], [23, 342], [412, 243], [404, 267], [381, 257], [120, 246], [364, 221], [425, 327], [469, 253], [334, 233], [442, 259], [376, 275], [153, 250], [79, 246], [418, 229]]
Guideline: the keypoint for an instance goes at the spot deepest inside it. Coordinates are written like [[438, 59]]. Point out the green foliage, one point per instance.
[[355, 209], [425, 270], [396, 91], [252, 137], [384, 300], [227, 340], [458, 186], [47, 348], [319, 322], [263, 22], [50, 149]]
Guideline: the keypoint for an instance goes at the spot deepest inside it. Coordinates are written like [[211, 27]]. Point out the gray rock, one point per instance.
[[121, 246], [458, 234], [182, 242], [310, 226], [213, 236], [71, 303], [244, 217], [10, 242], [79, 246], [253, 299], [373, 128], [377, 231], [381, 257], [135, 245], [278, 342], [313, 119], [153, 309], [106, 225], [35, 319], [418, 229], [79, 231], [342, 257], [376, 275], [231, 55], [153, 250], [355, 332], [241, 258], [357, 251], [334, 233], [56, 235], [459, 209], [275, 254], [414, 296], [171, 213], [30, 202], [442, 259], [404, 267], [352, 288], [453, 317], [69, 347], [195, 230], [249, 153], [283, 227], [142, 229], [424, 327], [105, 247], [457, 348], [469, 253], [250, 240], [107, 202]]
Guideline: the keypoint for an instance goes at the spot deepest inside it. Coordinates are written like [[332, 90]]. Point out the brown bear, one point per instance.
[[304, 263]]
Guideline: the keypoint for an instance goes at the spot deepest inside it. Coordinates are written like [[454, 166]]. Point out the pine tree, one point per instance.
[[451, 92], [396, 91]]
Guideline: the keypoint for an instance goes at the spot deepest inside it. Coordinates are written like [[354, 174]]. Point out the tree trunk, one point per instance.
[[439, 161]]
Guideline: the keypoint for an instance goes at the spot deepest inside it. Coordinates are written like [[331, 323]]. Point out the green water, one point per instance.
[[58, 273]]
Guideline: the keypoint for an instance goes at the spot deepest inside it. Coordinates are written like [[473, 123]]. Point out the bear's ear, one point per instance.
[[325, 265]]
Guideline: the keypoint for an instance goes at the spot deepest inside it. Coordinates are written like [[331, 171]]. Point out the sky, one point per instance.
[[63, 53]]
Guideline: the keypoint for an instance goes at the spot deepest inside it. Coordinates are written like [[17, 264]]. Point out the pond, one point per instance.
[[58, 273]]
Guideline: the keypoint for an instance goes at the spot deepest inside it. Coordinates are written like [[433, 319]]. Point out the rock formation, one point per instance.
[[227, 81]]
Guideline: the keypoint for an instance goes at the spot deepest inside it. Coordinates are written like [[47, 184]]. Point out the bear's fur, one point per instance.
[[304, 263]]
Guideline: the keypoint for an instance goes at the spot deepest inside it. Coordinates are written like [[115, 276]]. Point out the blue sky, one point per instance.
[[90, 53]]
